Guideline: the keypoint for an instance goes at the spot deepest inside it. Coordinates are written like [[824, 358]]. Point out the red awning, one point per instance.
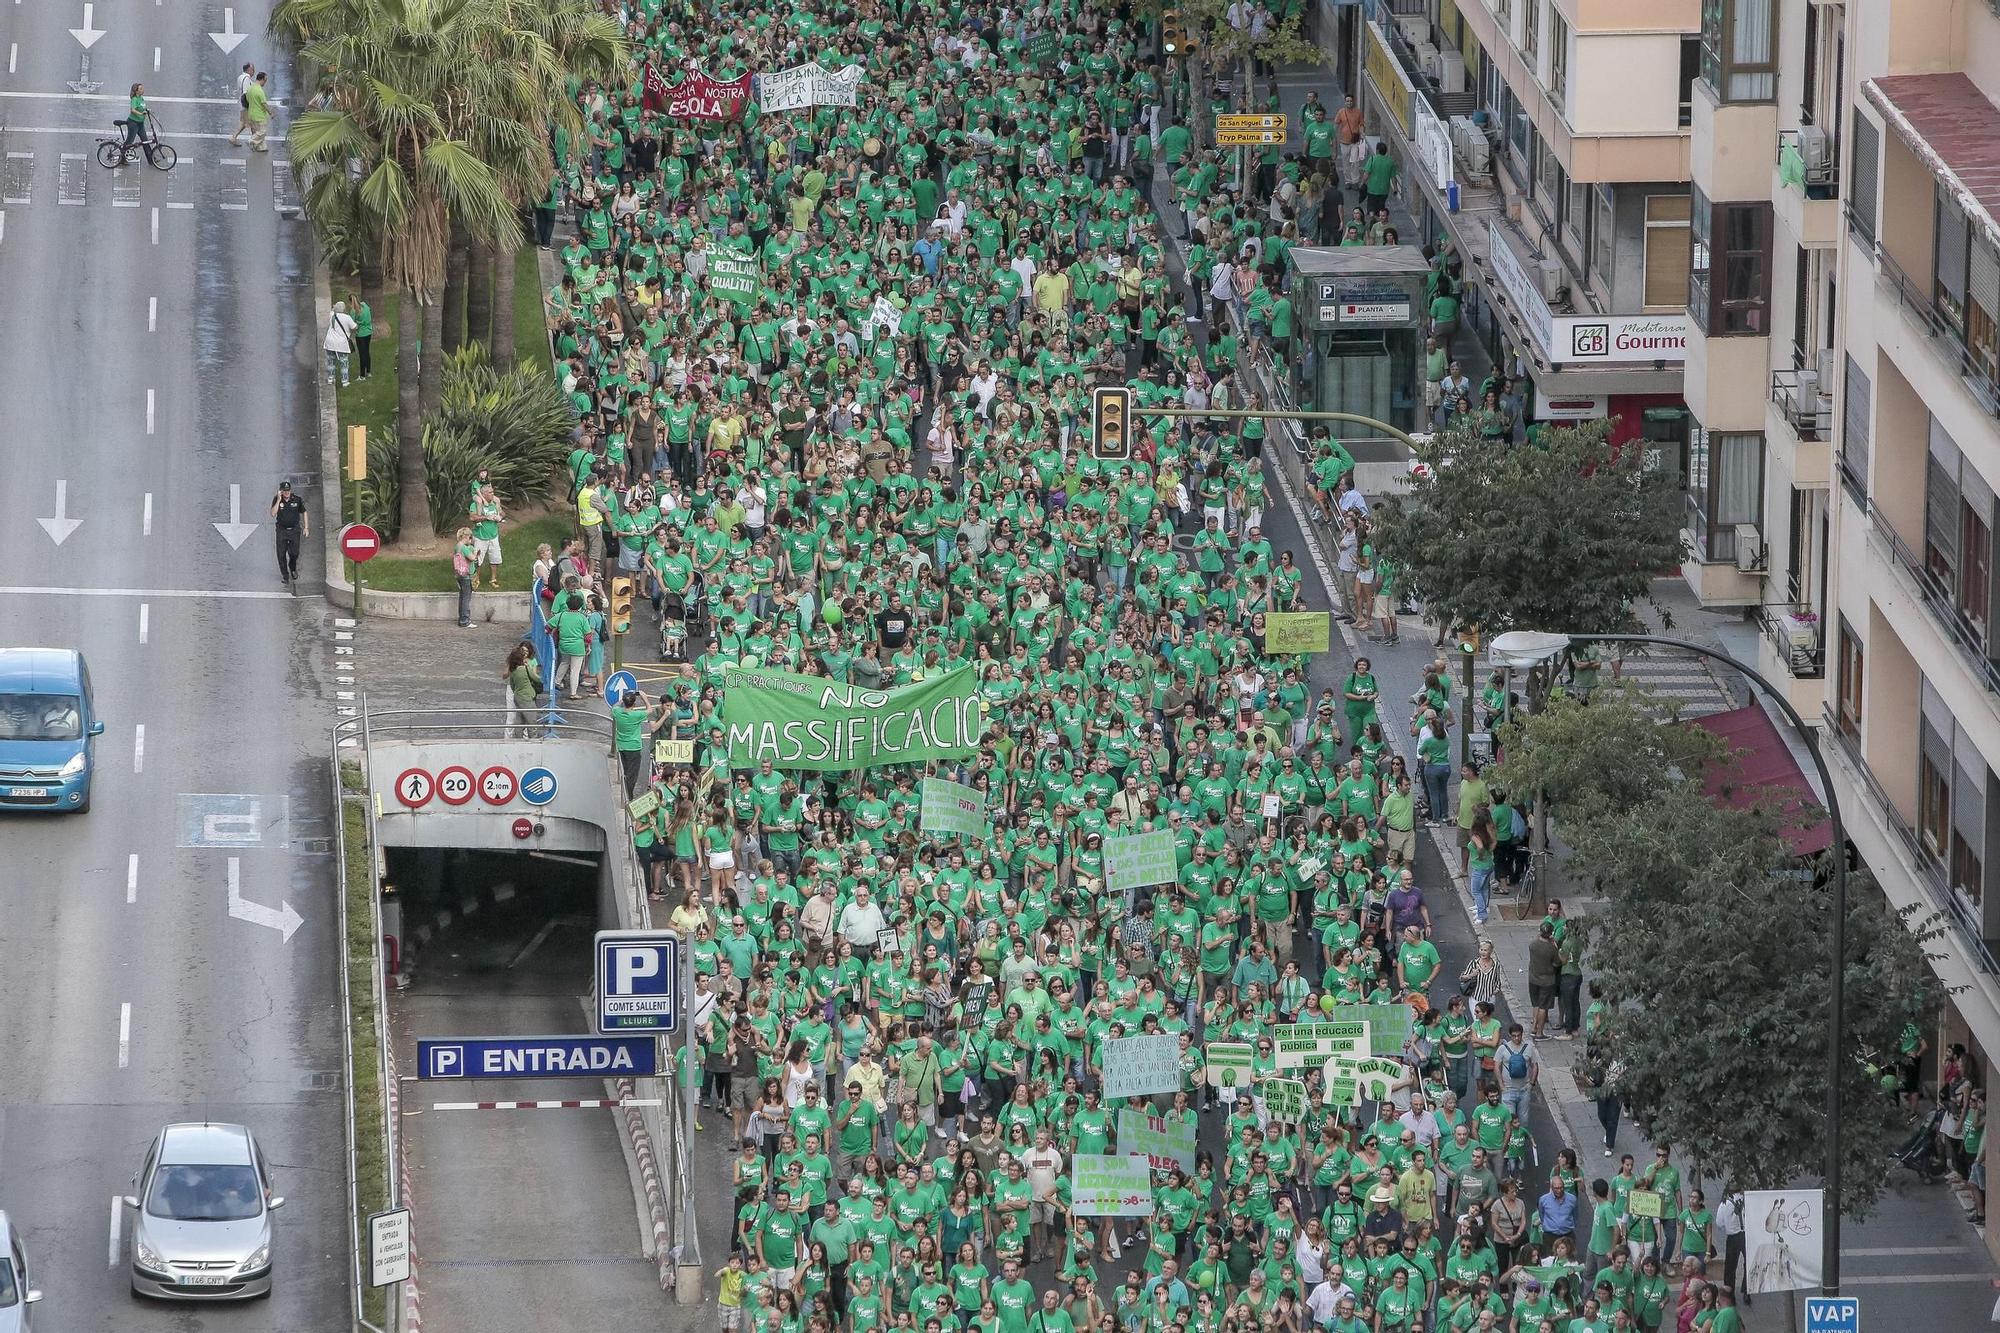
[[1765, 776]]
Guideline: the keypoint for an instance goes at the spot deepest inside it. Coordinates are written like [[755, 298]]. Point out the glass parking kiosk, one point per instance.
[[1362, 311]]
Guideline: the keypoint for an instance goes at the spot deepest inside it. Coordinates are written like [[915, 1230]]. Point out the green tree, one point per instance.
[[1717, 974], [1563, 534], [1602, 757]]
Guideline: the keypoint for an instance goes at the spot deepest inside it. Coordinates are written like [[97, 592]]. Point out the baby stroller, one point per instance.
[[1920, 1151], [673, 627]]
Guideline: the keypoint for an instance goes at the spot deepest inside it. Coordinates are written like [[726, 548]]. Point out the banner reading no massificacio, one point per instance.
[[813, 723]]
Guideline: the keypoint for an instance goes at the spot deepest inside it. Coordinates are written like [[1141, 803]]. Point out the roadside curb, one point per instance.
[[649, 1175]]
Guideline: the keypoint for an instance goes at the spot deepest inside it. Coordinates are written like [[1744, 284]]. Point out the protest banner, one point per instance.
[[953, 808], [1297, 632], [1643, 1203], [644, 805], [808, 85], [1229, 1064], [1343, 1092], [1303, 1045], [809, 722], [1389, 1025], [1163, 1142], [734, 278], [1040, 47], [1110, 1185], [1139, 860], [1285, 1099], [673, 752], [1141, 1066], [1375, 1075], [697, 96]]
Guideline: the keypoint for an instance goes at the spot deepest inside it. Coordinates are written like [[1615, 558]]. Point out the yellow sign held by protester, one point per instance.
[[1298, 632], [673, 752]]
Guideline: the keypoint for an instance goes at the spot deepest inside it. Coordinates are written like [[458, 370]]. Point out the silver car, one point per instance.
[[204, 1206], [16, 1294]]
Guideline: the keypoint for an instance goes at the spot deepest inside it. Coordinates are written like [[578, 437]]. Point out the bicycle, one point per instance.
[[117, 152]]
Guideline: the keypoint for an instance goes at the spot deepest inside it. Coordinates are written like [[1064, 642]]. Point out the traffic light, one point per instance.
[[1468, 640], [621, 604], [1174, 40], [1111, 423]]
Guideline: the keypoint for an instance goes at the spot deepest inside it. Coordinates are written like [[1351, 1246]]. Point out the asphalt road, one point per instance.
[[147, 329]]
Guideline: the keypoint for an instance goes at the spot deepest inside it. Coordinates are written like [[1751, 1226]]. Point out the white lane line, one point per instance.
[[156, 60], [156, 226], [178, 134], [146, 516], [120, 98], [13, 54], [145, 613], [124, 1034], [3, 226], [117, 1227], [149, 411], [226, 594], [139, 748], [152, 318], [132, 878]]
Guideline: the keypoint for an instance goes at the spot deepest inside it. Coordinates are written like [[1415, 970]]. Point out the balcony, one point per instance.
[[1965, 636], [1792, 633], [1805, 403], [1806, 193], [1941, 330], [1915, 859]]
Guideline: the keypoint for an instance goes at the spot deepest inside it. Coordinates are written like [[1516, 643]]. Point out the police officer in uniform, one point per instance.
[[288, 513]]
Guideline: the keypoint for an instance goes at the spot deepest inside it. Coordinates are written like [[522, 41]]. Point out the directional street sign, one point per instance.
[[1833, 1314], [414, 787], [638, 980], [1249, 131], [497, 785], [536, 1057], [538, 786], [454, 785], [617, 684]]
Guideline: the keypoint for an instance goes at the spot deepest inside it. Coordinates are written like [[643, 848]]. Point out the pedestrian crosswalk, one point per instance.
[[1679, 679], [231, 180]]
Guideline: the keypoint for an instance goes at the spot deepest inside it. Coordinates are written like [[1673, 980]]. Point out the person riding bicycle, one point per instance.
[[138, 122]]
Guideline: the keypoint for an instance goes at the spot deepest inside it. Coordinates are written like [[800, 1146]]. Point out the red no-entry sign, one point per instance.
[[359, 542]]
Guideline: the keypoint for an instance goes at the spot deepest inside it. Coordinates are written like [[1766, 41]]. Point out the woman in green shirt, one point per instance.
[[1360, 691]]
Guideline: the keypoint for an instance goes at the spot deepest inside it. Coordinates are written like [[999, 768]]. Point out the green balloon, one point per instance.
[[831, 615], [1326, 1003]]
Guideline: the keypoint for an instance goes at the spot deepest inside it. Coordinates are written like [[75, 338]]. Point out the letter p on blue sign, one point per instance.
[[638, 981], [1833, 1314]]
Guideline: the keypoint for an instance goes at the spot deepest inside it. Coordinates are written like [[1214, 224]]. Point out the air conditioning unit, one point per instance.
[[1816, 147], [1450, 74], [1749, 548], [1824, 367], [1416, 28], [1426, 55], [1550, 273], [1468, 138]]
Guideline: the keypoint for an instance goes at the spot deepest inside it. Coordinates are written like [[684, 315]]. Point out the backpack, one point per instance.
[[1517, 1062]]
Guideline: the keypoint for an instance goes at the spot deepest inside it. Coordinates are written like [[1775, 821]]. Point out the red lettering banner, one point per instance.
[[696, 96]]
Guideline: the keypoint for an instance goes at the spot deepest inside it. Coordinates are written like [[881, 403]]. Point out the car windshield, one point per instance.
[[8, 1294], [40, 717], [184, 1193]]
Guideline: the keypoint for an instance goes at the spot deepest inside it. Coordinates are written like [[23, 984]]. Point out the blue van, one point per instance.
[[48, 729]]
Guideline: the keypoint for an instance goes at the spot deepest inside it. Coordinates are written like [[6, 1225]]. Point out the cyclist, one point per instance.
[[138, 122]]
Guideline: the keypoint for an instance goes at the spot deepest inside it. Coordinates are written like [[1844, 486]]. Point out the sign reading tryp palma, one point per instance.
[[813, 723]]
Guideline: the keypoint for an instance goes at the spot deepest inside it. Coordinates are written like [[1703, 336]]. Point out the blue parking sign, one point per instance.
[[1833, 1314], [638, 980]]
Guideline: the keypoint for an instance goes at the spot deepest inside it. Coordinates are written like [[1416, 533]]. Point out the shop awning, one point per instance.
[[1766, 777]]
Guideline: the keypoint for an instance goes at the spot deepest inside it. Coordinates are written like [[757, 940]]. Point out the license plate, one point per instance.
[[204, 1279], [28, 791]]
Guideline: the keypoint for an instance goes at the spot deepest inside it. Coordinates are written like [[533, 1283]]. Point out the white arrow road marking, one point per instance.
[[62, 525], [235, 531], [228, 39], [282, 919], [89, 32]]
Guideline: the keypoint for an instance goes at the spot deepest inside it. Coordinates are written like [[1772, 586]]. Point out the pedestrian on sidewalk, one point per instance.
[[1348, 125], [524, 682], [339, 343], [364, 335], [486, 516], [1729, 1225], [1519, 1066], [1544, 972], [464, 552], [257, 110], [243, 84]]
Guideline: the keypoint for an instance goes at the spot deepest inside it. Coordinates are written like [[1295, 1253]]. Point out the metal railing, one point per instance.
[[1937, 599], [1943, 332], [466, 724], [1793, 631], [1923, 866], [1806, 403]]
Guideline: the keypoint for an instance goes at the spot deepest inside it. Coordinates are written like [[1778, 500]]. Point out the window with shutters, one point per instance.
[[1857, 401], [1982, 306], [1864, 169], [1558, 58], [1666, 249], [1958, 538], [1951, 797], [1852, 663], [1948, 259]]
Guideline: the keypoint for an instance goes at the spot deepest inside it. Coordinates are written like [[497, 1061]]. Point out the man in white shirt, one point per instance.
[[1329, 1297], [1043, 1163], [862, 923], [1729, 1225]]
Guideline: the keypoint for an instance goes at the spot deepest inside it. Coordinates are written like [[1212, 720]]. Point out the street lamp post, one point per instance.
[[1530, 648]]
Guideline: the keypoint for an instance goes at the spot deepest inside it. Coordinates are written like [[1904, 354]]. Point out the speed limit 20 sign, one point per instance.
[[455, 785]]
